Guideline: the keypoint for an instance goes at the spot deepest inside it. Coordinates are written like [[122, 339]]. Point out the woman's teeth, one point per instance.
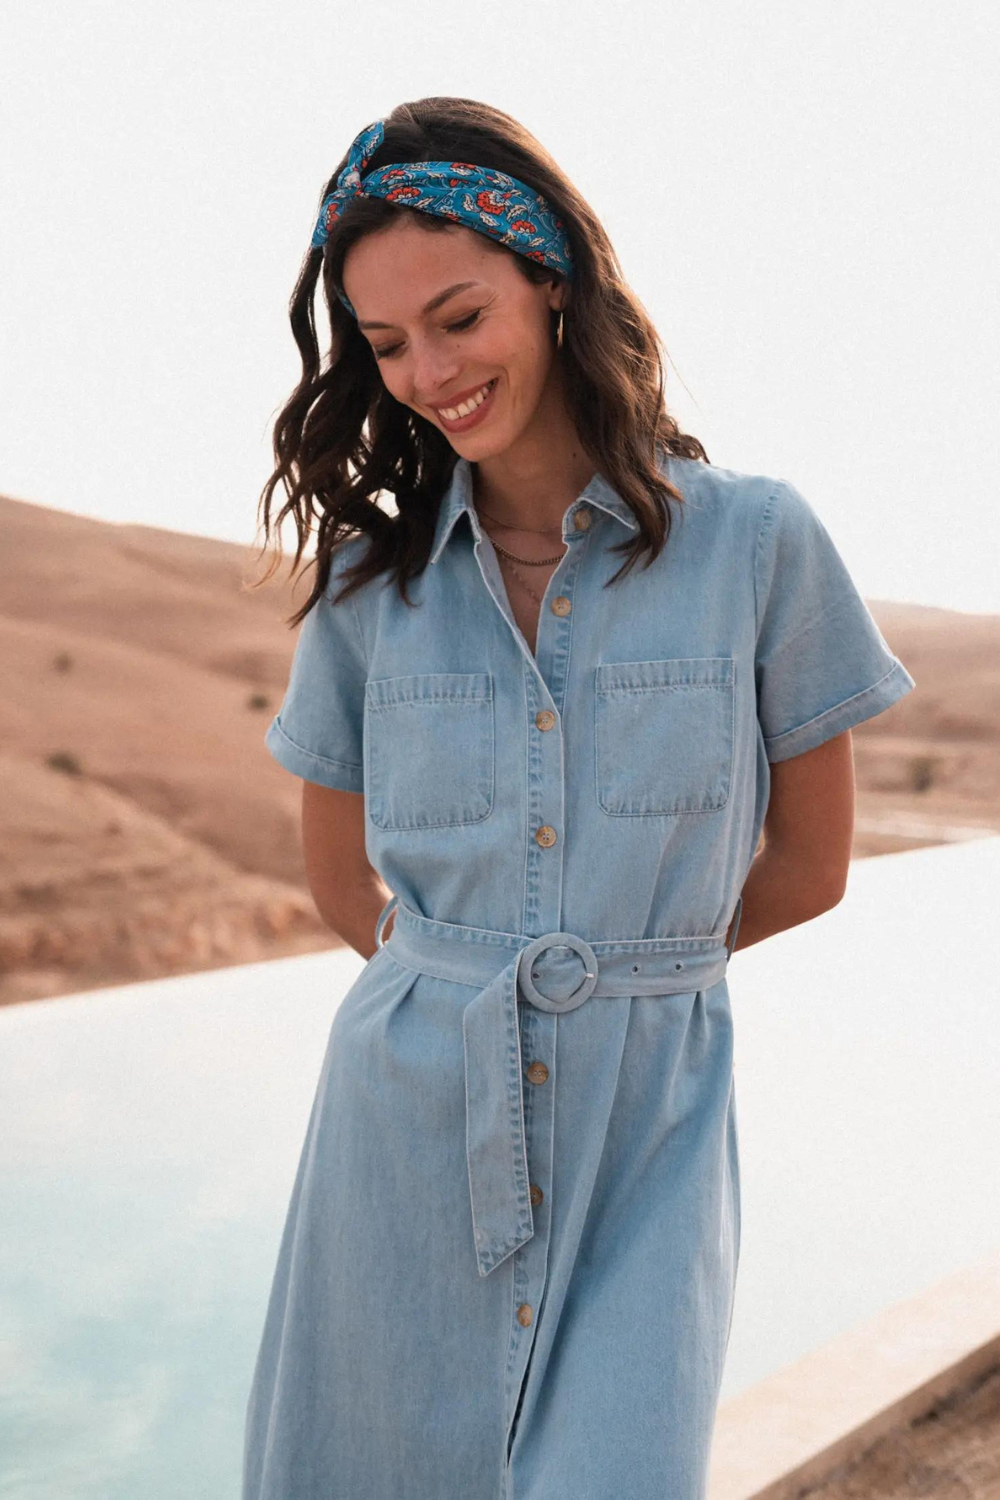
[[452, 413]]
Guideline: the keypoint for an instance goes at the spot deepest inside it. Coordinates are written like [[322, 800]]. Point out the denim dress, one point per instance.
[[509, 1260]]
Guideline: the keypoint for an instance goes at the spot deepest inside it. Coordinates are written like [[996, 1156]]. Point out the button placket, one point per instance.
[[544, 804], [530, 1262], [545, 691], [543, 810]]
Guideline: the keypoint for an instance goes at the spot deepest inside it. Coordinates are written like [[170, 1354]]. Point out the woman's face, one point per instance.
[[495, 330]]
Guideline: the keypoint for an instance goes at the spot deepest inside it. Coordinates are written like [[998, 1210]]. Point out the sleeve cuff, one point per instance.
[[872, 700], [339, 774]]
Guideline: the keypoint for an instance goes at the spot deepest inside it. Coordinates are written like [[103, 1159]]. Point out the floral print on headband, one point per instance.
[[491, 202]]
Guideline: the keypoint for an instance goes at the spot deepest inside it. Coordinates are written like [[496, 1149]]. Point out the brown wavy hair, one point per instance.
[[341, 439]]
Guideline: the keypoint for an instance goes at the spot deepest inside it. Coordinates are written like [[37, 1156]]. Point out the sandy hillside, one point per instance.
[[146, 831]]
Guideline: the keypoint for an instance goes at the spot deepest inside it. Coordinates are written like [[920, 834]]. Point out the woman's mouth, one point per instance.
[[460, 418]]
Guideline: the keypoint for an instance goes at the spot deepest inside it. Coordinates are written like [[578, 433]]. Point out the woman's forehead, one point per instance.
[[392, 273]]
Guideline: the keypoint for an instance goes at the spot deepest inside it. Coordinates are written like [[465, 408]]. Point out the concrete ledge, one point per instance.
[[788, 1432]]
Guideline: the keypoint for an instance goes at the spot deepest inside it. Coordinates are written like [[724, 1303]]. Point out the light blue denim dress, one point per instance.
[[509, 1260]]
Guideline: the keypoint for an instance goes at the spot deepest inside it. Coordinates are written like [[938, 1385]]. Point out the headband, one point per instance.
[[491, 202]]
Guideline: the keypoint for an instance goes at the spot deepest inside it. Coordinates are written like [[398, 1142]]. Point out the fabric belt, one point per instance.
[[556, 973]]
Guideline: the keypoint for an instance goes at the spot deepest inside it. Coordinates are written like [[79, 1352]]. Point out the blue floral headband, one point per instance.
[[488, 201]]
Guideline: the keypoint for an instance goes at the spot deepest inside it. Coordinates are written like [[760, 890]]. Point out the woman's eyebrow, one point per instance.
[[435, 302]]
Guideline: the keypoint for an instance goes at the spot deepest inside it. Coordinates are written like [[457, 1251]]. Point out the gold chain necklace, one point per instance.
[[506, 526], [513, 559]]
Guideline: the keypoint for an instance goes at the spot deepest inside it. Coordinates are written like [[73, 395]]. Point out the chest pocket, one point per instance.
[[429, 749], [663, 735]]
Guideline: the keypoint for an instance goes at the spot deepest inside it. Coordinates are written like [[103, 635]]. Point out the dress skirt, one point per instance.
[[585, 1363]]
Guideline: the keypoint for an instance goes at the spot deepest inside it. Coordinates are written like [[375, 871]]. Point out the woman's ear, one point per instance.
[[558, 293]]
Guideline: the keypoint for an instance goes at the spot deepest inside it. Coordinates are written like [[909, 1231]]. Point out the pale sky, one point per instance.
[[804, 197]]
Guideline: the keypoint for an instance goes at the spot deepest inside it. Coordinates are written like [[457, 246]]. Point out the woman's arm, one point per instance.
[[808, 829], [348, 893]]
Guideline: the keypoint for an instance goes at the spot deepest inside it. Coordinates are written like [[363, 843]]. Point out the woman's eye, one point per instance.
[[465, 323], [458, 327]]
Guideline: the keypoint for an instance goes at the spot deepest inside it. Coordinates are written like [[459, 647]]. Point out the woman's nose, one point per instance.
[[435, 372]]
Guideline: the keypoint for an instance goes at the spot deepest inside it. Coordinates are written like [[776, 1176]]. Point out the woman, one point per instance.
[[508, 1265]]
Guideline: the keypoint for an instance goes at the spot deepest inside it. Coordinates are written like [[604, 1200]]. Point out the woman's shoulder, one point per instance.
[[717, 495], [344, 555], [715, 484]]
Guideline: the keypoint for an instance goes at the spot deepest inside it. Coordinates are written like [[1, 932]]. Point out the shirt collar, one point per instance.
[[458, 498]]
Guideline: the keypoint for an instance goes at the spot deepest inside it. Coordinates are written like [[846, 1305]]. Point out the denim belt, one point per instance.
[[556, 973]]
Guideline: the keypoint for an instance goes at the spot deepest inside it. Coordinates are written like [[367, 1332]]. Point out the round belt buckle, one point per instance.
[[588, 972]]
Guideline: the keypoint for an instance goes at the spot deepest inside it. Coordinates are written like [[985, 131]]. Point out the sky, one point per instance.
[[803, 197]]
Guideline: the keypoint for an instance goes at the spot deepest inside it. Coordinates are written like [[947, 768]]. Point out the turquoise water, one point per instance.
[[147, 1139]]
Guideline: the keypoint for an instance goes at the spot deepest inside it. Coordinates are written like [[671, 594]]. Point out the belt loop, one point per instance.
[[737, 913], [387, 909]]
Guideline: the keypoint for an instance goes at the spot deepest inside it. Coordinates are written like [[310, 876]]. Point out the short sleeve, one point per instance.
[[318, 731], [822, 665]]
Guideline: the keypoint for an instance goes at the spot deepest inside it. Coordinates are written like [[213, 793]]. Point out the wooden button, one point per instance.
[[545, 718], [525, 1315], [537, 1072], [535, 1194], [546, 836], [561, 605], [582, 518]]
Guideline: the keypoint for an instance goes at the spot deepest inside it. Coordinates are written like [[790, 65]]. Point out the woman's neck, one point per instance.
[[531, 492]]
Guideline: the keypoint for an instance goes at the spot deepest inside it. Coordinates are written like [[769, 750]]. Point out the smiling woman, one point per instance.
[[509, 1259]]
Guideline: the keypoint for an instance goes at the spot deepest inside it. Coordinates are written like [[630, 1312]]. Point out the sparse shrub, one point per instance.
[[922, 768], [64, 760]]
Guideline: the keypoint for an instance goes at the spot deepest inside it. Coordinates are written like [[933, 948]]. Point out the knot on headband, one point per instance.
[[491, 202]]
